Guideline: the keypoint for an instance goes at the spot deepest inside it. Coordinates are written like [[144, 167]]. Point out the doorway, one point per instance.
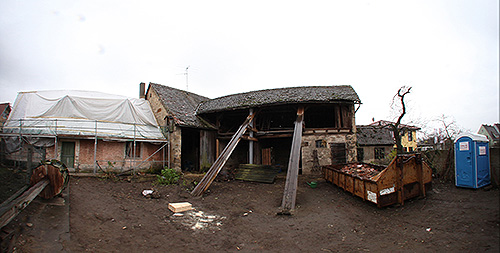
[[68, 153]]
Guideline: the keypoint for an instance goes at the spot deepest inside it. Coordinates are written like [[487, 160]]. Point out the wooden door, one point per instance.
[[338, 152], [266, 156], [68, 154]]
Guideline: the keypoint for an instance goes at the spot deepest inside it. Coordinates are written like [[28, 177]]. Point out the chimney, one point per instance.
[[142, 90]]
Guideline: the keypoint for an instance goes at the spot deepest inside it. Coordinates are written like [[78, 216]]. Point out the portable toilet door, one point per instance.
[[472, 161]]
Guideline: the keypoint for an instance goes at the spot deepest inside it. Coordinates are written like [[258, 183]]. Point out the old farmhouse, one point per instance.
[[199, 128]]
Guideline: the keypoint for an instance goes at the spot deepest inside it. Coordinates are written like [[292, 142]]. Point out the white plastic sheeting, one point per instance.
[[82, 113]]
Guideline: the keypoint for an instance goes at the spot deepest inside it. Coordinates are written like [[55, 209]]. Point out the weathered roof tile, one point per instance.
[[308, 94]]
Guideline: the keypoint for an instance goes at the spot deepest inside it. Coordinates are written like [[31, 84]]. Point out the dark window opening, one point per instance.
[[329, 116], [129, 149], [276, 119], [361, 154], [379, 153], [320, 144]]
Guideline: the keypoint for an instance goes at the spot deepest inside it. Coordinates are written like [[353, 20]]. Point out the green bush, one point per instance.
[[168, 176]]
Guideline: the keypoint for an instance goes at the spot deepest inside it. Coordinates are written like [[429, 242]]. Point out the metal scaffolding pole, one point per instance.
[[95, 149]]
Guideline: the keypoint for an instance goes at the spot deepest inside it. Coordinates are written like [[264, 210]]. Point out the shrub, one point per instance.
[[168, 176]]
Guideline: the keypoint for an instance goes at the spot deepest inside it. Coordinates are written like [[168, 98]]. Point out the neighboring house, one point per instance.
[[329, 135], [4, 113], [492, 132], [86, 130], [374, 143], [408, 138]]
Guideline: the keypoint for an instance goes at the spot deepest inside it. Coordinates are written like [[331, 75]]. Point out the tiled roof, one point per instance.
[[371, 135], [181, 105], [309, 94], [5, 110], [386, 123], [492, 131]]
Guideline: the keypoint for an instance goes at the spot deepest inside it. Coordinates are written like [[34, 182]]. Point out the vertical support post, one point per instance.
[[399, 166], [95, 148], [250, 143], [168, 150], [55, 141], [290, 192], [133, 152]]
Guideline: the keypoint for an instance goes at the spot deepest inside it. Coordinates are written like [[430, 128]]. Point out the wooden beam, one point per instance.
[[248, 138], [290, 192], [275, 136], [222, 158], [10, 211]]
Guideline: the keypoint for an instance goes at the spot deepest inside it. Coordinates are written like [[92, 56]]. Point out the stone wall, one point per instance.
[[314, 157], [175, 139], [157, 107]]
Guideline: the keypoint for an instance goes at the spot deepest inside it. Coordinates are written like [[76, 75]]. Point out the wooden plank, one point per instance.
[[290, 192], [11, 210], [180, 207], [222, 158], [256, 173]]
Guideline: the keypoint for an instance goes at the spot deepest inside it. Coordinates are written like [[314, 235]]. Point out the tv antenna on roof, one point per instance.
[[187, 80]]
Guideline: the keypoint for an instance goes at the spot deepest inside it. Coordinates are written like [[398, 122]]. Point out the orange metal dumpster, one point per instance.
[[406, 177]]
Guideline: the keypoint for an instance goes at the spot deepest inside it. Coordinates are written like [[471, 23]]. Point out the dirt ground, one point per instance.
[[114, 216]]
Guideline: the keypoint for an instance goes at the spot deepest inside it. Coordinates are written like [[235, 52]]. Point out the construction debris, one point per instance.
[[363, 171], [198, 220], [152, 194], [180, 207]]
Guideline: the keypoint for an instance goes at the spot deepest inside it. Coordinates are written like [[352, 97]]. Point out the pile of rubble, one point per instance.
[[363, 171]]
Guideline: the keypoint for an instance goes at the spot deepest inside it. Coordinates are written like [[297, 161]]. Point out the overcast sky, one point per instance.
[[447, 51]]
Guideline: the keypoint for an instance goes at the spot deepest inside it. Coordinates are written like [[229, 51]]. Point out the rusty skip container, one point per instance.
[[406, 177]]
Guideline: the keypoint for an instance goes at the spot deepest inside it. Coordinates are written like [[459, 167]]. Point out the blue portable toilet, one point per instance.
[[472, 161]]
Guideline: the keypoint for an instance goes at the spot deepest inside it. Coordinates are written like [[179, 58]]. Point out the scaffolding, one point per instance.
[[45, 133]]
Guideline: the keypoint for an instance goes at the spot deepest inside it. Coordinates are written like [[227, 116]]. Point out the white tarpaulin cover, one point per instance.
[[82, 113]]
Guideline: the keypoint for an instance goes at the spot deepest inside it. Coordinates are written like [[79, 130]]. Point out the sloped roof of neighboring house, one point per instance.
[[386, 123], [3, 108], [370, 135], [492, 132], [181, 105], [309, 94]]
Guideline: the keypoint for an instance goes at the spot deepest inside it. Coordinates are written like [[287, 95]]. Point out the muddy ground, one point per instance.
[[113, 216]]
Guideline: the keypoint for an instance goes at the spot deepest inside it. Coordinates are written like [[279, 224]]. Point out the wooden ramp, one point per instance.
[[290, 192], [222, 159]]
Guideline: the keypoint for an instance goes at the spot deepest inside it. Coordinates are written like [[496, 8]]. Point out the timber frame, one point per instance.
[[328, 132]]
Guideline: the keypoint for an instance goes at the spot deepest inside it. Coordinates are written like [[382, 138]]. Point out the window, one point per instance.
[[361, 154], [129, 149], [320, 144], [379, 153], [410, 136]]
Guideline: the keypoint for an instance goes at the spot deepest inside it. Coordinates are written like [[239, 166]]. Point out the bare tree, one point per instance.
[[396, 127]]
